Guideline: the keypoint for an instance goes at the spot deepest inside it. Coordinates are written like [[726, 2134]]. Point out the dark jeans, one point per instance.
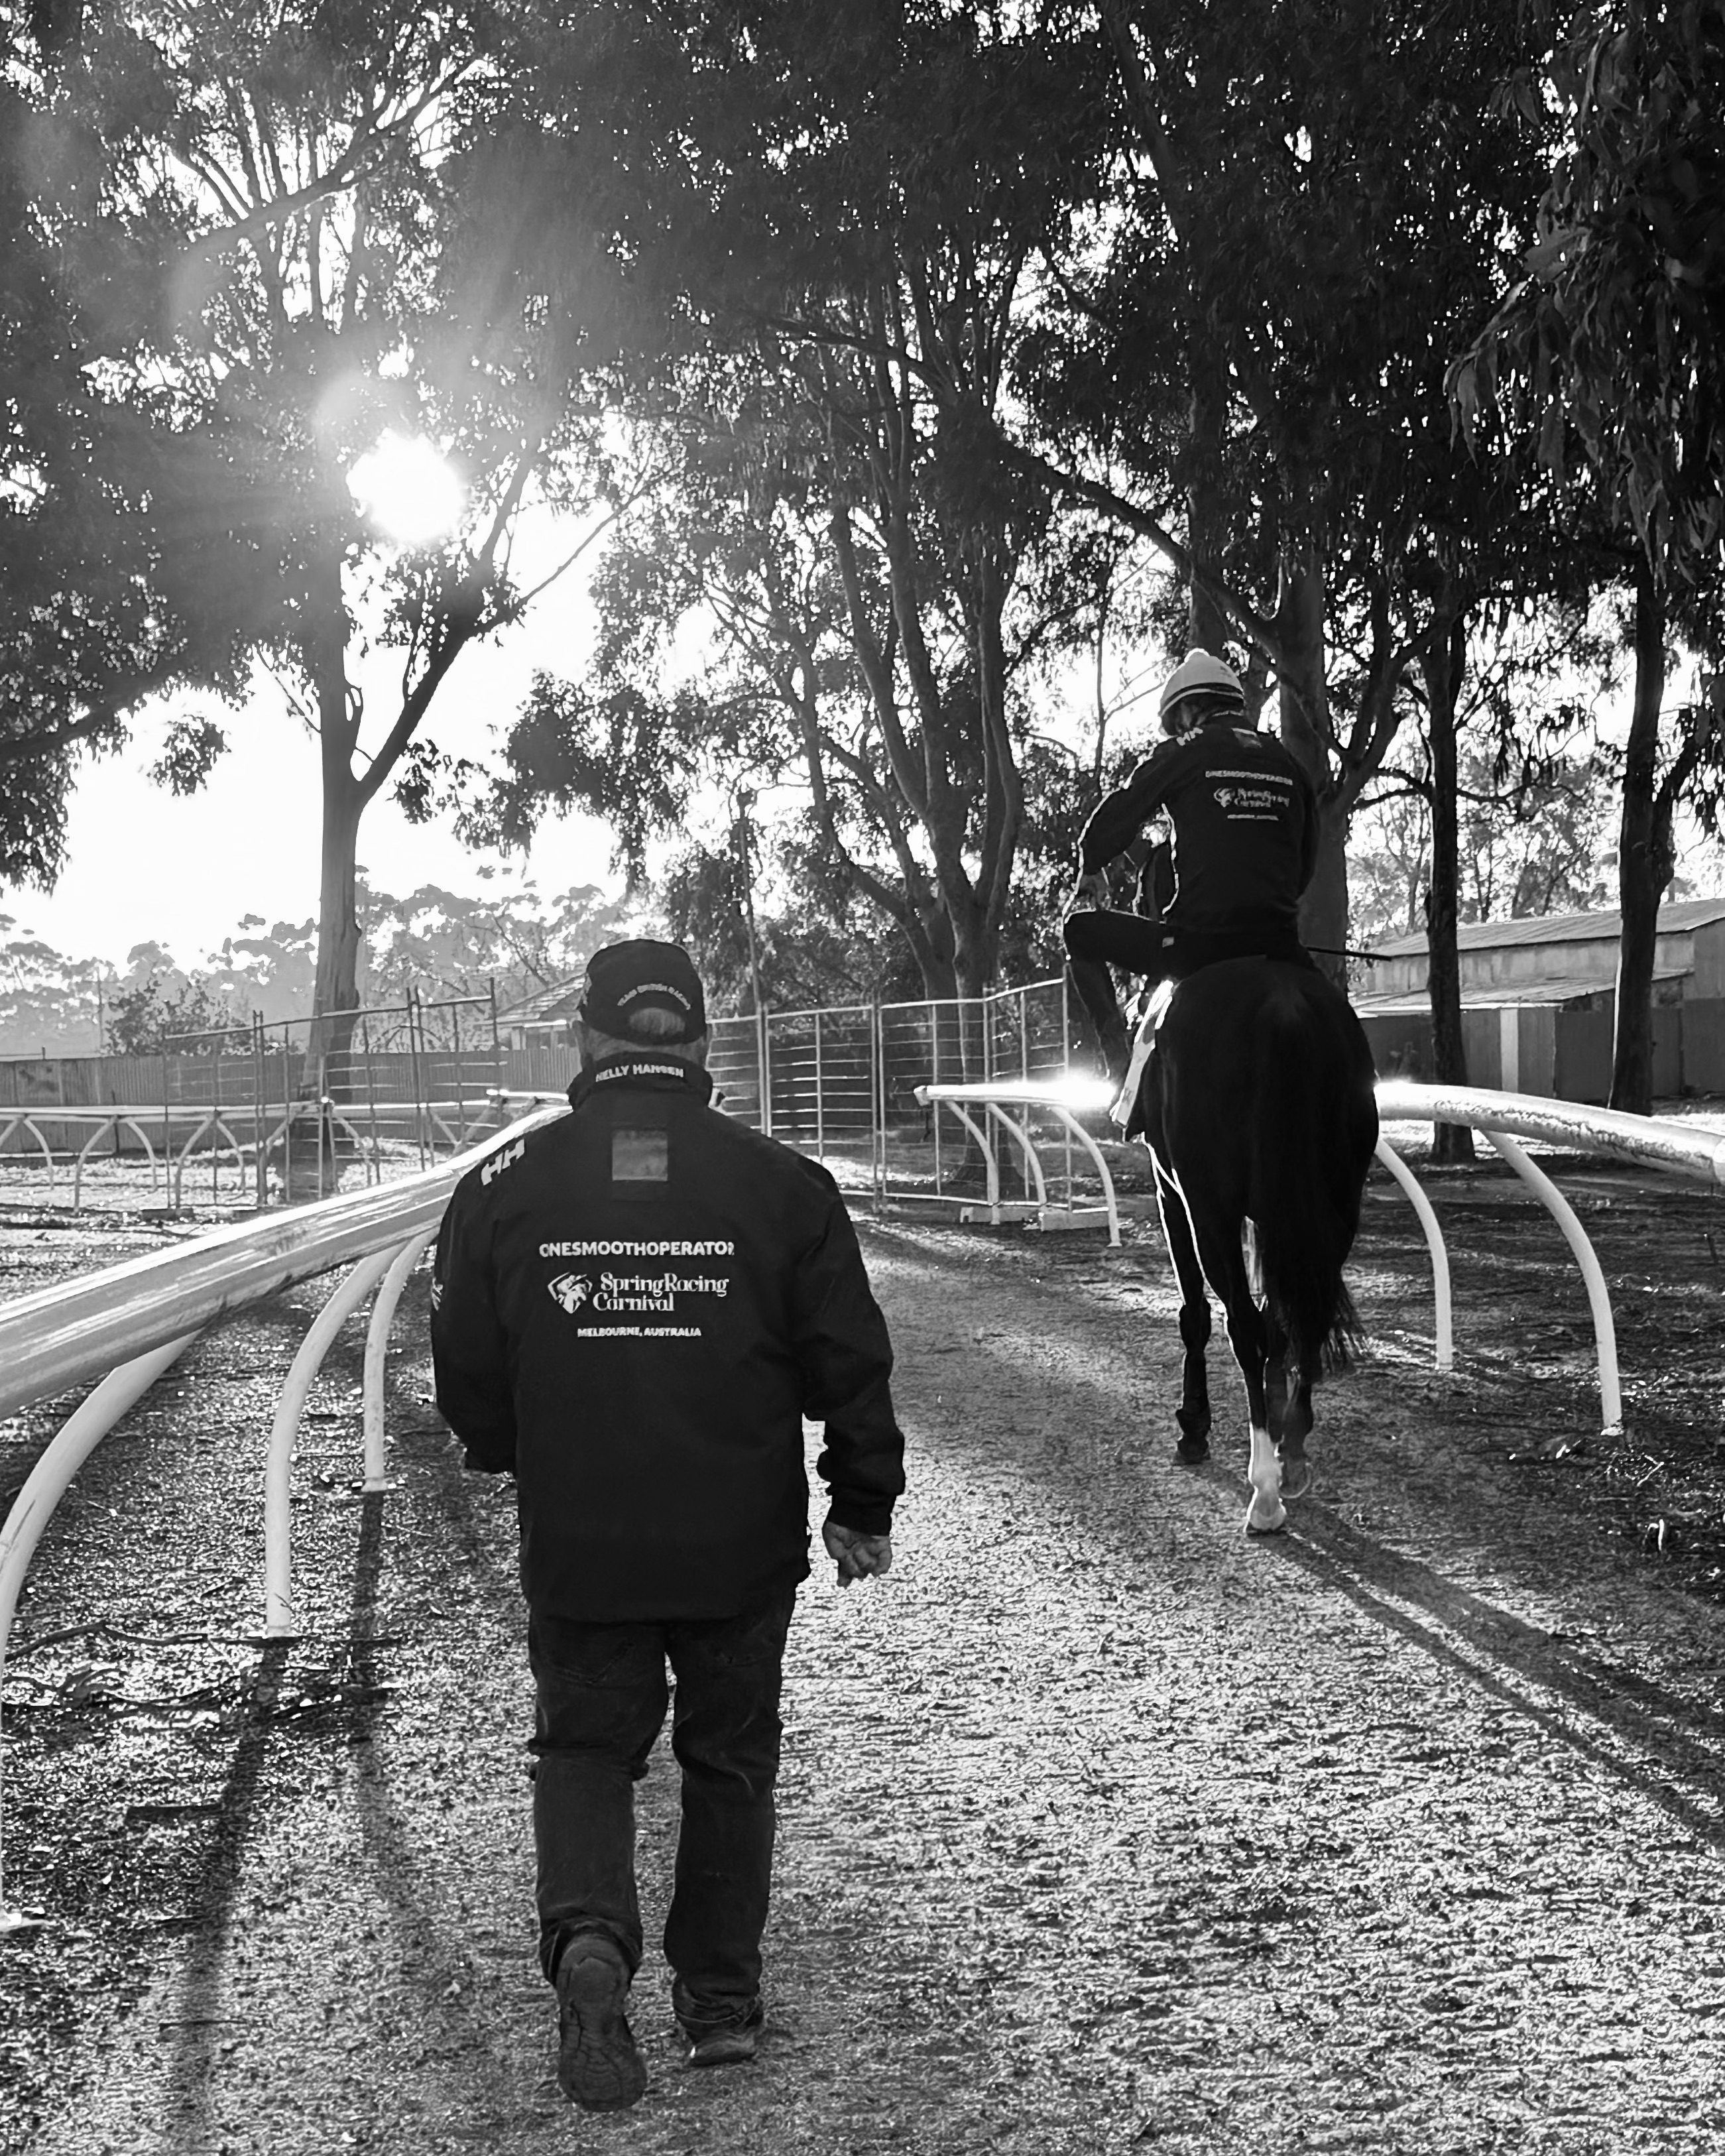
[[601, 1698], [1158, 951]]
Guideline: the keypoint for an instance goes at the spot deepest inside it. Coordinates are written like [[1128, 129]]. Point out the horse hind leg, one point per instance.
[[1296, 1475], [1248, 1335], [1192, 1414], [1288, 1384]]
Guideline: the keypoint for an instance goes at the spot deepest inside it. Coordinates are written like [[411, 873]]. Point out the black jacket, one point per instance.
[[1246, 825], [632, 1309]]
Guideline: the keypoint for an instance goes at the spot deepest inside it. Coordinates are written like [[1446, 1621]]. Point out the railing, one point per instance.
[[130, 1322], [1013, 1108], [1675, 1149], [1008, 1106]]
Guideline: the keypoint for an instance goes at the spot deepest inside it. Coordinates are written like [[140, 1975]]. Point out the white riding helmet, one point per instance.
[[1200, 674]]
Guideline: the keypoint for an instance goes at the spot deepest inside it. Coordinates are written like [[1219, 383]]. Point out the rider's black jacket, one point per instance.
[[1245, 821], [632, 1309]]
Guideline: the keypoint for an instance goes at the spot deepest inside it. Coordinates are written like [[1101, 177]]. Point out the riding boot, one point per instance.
[[1093, 984], [1116, 1050]]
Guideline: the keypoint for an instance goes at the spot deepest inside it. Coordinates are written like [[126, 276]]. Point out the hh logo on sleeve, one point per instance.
[[499, 1161]]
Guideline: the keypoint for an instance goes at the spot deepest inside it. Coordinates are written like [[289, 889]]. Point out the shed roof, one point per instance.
[[1602, 927], [1557, 988], [550, 1005]]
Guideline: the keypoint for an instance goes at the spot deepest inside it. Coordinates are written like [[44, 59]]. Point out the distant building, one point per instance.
[[1537, 1000], [546, 1017]]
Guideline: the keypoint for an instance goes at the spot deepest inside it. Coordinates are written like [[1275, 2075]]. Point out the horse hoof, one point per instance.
[[1264, 1533], [1193, 1451], [1296, 1477]]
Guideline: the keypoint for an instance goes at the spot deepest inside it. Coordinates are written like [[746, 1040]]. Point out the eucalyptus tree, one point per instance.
[[326, 277], [1311, 203], [881, 588], [1199, 271], [1608, 356], [877, 639], [138, 548]]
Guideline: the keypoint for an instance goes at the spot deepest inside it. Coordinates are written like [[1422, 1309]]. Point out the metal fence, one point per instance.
[[262, 1113], [840, 1083], [269, 1111]]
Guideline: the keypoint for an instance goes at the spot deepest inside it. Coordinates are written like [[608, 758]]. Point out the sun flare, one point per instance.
[[409, 490]]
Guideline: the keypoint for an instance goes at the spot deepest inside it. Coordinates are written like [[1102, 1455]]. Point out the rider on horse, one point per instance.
[[1244, 844]]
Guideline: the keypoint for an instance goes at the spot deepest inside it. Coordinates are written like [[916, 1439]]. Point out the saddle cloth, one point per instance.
[[1124, 1113]]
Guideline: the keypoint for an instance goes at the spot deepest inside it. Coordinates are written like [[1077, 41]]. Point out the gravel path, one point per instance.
[[1102, 1827]]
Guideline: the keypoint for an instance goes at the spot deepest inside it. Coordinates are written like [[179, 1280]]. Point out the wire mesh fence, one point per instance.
[[840, 1083]]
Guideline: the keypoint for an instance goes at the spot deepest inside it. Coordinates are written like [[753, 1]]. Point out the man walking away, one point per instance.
[[633, 1311]]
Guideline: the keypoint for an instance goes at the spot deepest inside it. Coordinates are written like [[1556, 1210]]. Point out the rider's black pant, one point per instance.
[[1158, 951]]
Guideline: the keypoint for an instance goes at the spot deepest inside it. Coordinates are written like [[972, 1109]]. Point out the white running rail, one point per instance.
[[1676, 1148], [1687, 1150], [124, 1325], [1010, 1103]]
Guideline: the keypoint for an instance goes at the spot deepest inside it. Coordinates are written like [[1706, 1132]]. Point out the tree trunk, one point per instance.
[[1442, 657], [1305, 727], [1206, 625], [336, 995], [1644, 862], [336, 988]]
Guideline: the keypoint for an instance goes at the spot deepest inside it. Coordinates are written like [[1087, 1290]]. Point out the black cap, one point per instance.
[[642, 975]]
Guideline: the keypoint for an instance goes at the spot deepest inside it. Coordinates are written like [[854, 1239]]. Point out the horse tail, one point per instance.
[[1317, 1123]]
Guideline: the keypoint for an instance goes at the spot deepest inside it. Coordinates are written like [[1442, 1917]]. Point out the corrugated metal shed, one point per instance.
[[1598, 927], [1498, 995]]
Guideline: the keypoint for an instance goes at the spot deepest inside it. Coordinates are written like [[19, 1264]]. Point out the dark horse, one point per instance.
[[1259, 1109]]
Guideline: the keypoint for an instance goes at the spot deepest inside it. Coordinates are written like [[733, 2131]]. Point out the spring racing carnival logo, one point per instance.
[[570, 1291], [653, 1295]]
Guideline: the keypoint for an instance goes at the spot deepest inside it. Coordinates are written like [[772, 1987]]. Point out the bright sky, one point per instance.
[[144, 865]]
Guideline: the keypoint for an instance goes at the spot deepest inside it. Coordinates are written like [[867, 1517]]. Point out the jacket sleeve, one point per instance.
[[1119, 816], [469, 1352], [842, 1348]]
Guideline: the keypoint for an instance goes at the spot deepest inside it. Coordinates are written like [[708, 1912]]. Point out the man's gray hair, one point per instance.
[[648, 1028]]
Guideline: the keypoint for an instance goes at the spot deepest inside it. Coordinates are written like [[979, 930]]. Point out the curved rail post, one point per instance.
[[1032, 1160], [979, 1133], [47, 1150], [1074, 1129], [279, 1622], [112, 1123], [376, 1351], [45, 1484], [1444, 1355], [1605, 1332], [177, 1189]]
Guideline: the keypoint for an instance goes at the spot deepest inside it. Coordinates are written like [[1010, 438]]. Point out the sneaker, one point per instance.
[[599, 2067], [728, 2043]]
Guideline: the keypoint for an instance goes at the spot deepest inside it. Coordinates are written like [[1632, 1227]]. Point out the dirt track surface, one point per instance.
[[1102, 1827]]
